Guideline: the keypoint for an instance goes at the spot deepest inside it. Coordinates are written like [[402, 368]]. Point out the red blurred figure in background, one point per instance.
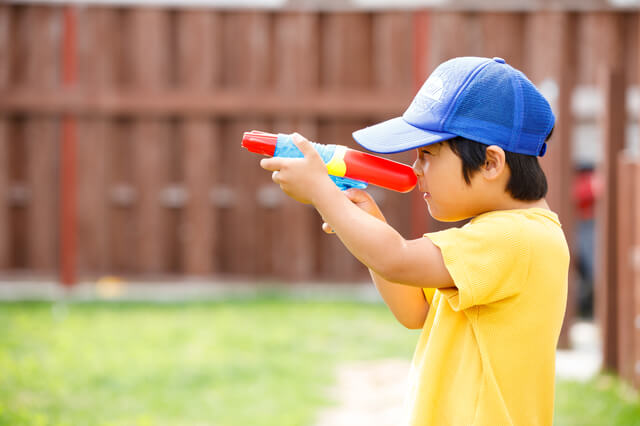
[[586, 189]]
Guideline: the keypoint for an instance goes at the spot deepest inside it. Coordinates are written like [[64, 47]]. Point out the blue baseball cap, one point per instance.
[[482, 99]]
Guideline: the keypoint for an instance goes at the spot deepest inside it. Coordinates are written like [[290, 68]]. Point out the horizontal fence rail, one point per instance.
[[230, 103]]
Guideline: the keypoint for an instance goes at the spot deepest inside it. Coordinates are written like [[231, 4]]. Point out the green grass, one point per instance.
[[266, 361], [602, 401], [252, 362]]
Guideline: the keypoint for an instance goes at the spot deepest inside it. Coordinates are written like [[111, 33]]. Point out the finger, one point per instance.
[[274, 177], [272, 164], [358, 196], [303, 145]]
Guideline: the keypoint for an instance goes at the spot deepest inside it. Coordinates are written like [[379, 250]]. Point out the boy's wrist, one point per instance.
[[325, 193]]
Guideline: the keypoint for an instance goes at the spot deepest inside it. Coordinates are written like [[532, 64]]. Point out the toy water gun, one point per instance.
[[347, 167]]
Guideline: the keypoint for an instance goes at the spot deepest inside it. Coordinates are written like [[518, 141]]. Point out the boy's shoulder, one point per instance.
[[534, 229], [505, 230], [516, 217], [517, 229]]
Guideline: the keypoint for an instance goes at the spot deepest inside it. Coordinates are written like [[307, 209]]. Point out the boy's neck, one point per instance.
[[513, 204]]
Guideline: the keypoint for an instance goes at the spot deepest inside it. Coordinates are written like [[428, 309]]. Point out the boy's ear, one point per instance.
[[494, 163]]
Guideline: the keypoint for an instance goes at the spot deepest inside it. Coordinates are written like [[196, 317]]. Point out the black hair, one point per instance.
[[527, 181]]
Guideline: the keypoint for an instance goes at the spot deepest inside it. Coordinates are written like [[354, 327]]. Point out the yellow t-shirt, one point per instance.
[[486, 354]]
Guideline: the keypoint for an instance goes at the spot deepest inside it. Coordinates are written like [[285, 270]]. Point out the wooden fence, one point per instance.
[[618, 273], [120, 133], [161, 100]]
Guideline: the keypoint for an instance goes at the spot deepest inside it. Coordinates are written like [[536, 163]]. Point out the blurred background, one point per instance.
[[121, 171]]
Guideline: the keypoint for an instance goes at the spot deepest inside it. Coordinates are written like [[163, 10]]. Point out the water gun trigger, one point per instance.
[[347, 183]]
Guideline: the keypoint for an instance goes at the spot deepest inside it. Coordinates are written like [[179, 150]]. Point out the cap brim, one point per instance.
[[396, 135]]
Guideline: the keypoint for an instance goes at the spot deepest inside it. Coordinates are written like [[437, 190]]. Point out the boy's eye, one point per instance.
[[424, 151]]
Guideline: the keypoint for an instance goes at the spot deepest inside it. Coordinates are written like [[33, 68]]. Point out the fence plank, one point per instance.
[[392, 71], [294, 225], [41, 138], [602, 41], [96, 71], [5, 58], [552, 70], [122, 198], [606, 283], [635, 279], [151, 139], [346, 62], [449, 41], [632, 40], [625, 230], [247, 65], [199, 38], [494, 43]]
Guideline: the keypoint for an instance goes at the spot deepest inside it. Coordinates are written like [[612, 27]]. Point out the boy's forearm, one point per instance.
[[372, 241], [408, 304]]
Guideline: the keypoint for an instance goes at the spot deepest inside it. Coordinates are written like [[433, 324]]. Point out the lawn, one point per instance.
[[260, 361]]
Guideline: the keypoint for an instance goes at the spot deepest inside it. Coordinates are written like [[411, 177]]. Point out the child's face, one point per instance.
[[439, 171]]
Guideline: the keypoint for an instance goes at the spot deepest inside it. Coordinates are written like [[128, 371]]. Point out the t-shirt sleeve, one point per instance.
[[488, 261], [428, 294]]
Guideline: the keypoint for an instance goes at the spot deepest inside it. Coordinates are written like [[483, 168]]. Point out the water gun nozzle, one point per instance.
[[260, 142]]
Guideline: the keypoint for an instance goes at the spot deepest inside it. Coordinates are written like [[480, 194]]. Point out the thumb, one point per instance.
[[303, 145]]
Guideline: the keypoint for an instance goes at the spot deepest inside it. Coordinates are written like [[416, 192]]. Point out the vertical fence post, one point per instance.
[[41, 138], [345, 64], [624, 234], [612, 123], [151, 140], [247, 65], [296, 35], [5, 228], [634, 256], [198, 68], [68, 158], [400, 67]]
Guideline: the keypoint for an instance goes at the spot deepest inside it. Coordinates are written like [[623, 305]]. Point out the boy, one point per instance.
[[489, 296]]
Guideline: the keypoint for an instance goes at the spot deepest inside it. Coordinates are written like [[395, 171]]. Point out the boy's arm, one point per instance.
[[408, 304], [381, 248], [377, 245]]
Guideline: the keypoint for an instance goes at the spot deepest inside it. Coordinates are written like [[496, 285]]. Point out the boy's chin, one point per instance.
[[448, 217]]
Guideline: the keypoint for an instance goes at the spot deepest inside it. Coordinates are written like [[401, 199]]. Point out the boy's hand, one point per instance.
[[363, 200], [299, 178]]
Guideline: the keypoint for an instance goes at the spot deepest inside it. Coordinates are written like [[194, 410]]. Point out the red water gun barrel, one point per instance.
[[379, 171]]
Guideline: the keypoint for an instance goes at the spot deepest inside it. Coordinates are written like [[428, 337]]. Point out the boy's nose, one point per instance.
[[416, 169]]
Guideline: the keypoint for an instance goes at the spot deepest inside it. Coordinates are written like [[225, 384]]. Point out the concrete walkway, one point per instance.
[[370, 393]]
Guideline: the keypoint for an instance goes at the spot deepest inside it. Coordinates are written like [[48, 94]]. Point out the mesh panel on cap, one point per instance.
[[491, 109], [537, 117]]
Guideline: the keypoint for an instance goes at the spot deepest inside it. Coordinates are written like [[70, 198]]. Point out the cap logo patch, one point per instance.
[[430, 94], [433, 88]]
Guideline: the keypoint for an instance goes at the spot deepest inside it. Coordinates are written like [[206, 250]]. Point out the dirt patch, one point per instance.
[[367, 393]]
